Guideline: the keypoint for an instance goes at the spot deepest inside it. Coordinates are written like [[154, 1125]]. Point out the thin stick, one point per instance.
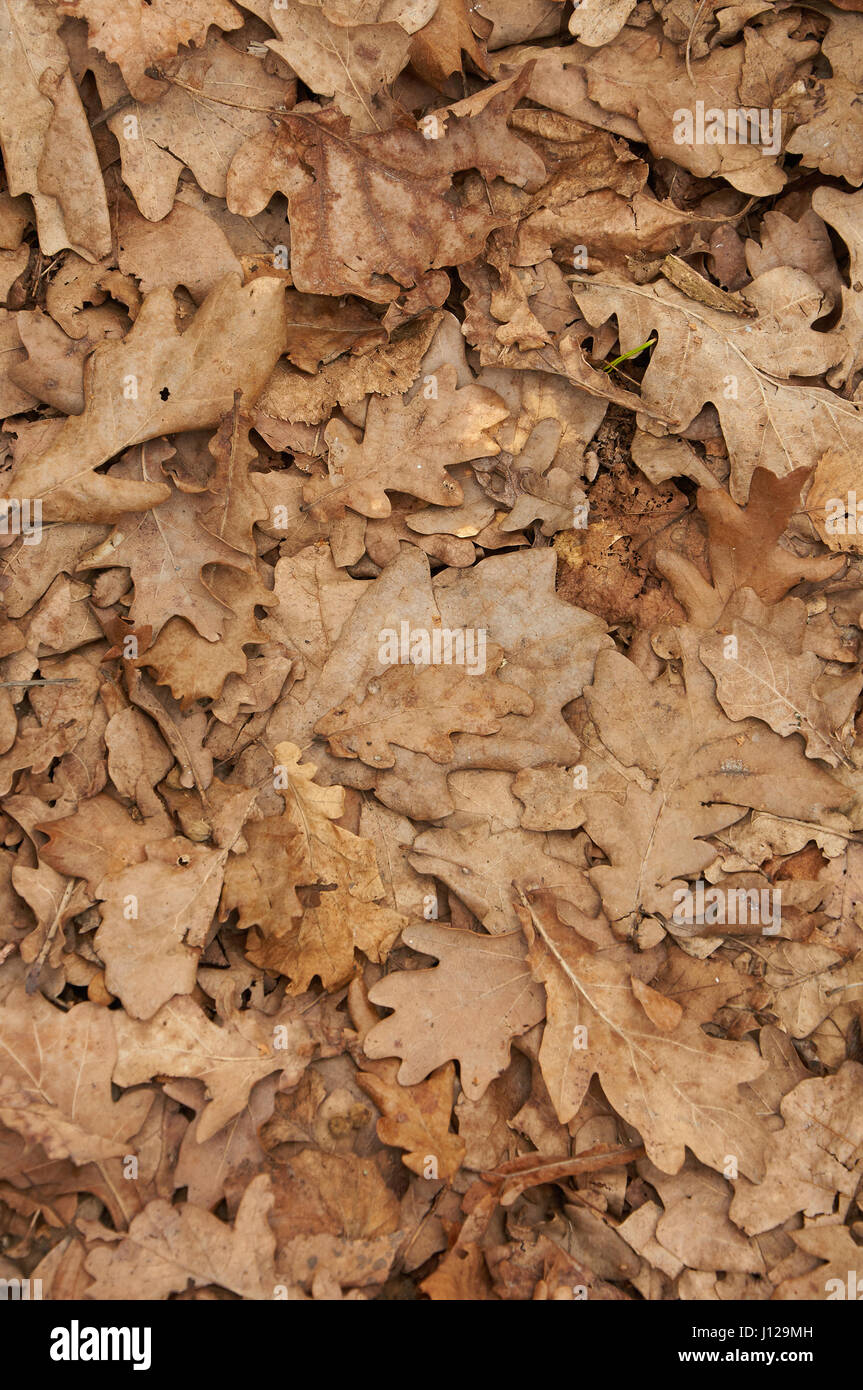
[[208, 96], [695, 23], [111, 111], [60, 680], [32, 979]]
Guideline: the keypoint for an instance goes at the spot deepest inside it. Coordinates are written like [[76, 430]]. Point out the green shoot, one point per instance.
[[633, 352]]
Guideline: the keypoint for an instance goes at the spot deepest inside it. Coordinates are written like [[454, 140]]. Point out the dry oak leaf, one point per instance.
[[304, 846], [334, 1212], [803, 243], [417, 1118], [702, 988], [54, 370], [685, 740], [315, 600], [323, 942], [559, 81], [461, 1277], [99, 839], [27, 571], [13, 399], [595, 22], [191, 124], [695, 1226], [180, 1040], [818, 1154], [57, 1074], [186, 248], [293, 395], [767, 676], [165, 548], [157, 381], [321, 328], [654, 842], [183, 732], [640, 75], [534, 398], [436, 50], [61, 718], [376, 213], [809, 982], [479, 863], [842, 211], [48, 150], [407, 447], [351, 62], [326, 1264], [197, 669], [656, 839], [595, 197], [835, 482], [825, 111], [743, 548], [238, 505], [838, 1278], [259, 687], [138, 758], [155, 920], [343, 1195], [260, 884], [169, 1249], [610, 226], [469, 1008], [418, 707], [550, 658], [701, 356], [410, 14], [678, 1088], [136, 36], [54, 901]]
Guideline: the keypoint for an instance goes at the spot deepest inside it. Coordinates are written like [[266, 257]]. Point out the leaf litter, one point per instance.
[[432, 610]]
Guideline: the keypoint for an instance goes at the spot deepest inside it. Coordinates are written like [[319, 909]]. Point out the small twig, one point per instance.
[[111, 111], [60, 680], [160, 76], [32, 980], [695, 23]]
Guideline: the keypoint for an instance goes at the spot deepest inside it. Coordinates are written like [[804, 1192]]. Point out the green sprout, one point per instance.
[[633, 352]]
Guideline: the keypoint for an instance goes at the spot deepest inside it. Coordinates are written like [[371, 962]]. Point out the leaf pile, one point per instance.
[[337, 960]]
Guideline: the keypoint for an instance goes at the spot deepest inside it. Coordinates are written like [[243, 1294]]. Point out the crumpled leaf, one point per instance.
[[812, 1158], [419, 441], [418, 708], [136, 38], [155, 382], [689, 1079], [170, 1248], [181, 1041], [339, 242], [48, 149], [737, 365]]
